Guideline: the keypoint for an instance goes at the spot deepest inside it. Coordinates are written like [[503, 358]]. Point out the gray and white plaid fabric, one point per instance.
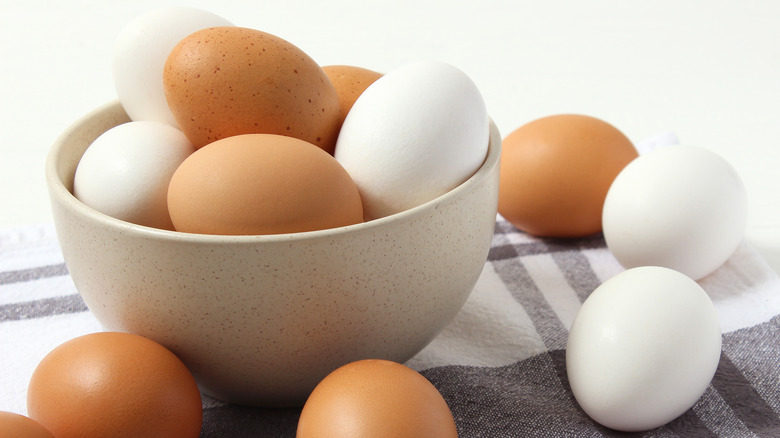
[[500, 364]]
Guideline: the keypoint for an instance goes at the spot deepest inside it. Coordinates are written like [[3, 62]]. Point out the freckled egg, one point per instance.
[[378, 399], [117, 385], [261, 184], [555, 173], [643, 348], [125, 172], [14, 425], [139, 55], [681, 207], [226, 81], [413, 135], [350, 82]]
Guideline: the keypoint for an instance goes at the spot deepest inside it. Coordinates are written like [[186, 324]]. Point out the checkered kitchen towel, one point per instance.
[[499, 364]]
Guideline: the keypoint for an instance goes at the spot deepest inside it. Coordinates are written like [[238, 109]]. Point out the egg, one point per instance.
[[13, 425], [349, 82], [111, 384], [125, 172], [226, 81], [262, 184], [375, 398], [413, 135], [681, 207], [555, 173], [139, 55], [643, 348]]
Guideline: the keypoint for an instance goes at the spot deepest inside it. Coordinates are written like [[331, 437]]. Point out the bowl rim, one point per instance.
[[57, 189]]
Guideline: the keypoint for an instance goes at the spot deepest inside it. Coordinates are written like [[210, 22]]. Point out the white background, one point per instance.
[[709, 71]]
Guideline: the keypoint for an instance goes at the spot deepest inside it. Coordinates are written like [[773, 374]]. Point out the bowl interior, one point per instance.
[[64, 156]]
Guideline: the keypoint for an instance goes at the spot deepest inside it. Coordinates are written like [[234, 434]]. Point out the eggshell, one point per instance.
[[125, 172], [117, 385], [14, 425], [350, 82], [681, 207], [555, 173], [226, 81], [139, 55], [414, 134], [261, 184], [643, 348], [378, 399]]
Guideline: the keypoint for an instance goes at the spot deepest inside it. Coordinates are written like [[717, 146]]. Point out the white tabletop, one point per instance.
[[707, 71]]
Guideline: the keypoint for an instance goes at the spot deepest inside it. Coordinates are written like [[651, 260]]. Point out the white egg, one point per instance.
[[643, 348], [414, 134], [680, 207], [139, 55], [125, 172]]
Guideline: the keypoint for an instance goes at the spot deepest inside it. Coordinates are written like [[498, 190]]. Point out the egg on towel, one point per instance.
[[555, 173], [125, 172], [681, 207], [139, 55], [643, 348], [114, 384], [225, 81], [375, 398], [414, 134]]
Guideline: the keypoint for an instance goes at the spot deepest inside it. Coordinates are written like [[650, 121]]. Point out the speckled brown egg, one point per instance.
[[350, 82], [261, 184], [376, 398], [555, 173], [225, 81]]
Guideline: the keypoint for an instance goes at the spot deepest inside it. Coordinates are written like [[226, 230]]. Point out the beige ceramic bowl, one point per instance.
[[260, 320]]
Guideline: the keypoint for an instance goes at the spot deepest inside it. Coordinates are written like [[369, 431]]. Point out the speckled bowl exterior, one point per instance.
[[260, 320]]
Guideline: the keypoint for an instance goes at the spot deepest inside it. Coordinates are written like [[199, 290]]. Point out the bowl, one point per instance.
[[260, 320]]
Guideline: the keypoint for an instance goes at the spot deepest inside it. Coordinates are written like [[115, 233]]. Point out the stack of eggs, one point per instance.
[[237, 131]]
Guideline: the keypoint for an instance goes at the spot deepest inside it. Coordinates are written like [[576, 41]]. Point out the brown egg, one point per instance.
[[555, 173], [225, 81], [350, 82], [18, 426], [261, 184], [117, 385], [378, 399]]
